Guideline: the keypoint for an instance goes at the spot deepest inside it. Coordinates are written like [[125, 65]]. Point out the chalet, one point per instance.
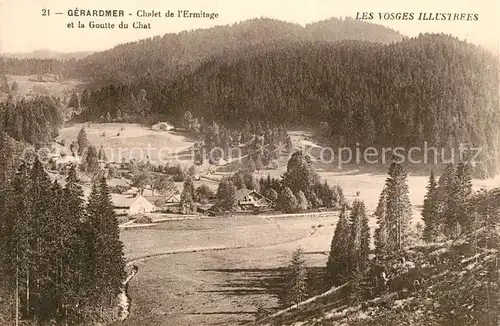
[[163, 126], [173, 199], [131, 205], [250, 200]]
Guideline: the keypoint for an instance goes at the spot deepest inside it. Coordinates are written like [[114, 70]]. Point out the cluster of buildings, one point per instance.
[[133, 203]]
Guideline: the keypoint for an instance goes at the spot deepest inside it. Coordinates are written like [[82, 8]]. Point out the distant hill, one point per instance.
[[48, 54], [162, 57]]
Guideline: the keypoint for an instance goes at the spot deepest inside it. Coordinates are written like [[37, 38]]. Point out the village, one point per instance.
[[143, 193]]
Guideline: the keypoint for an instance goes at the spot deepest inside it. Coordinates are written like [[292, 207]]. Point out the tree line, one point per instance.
[[61, 257]]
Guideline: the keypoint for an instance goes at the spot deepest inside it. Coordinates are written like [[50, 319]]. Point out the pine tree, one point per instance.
[[359, 240], [251, 165], [302, 204], [187, 201], [91, 164], [271, 194], [73, 102], [450, 192], [337, 267], [16, 230], [82, 141], [399, 210], [464, 191], [85, 100], [73, 282], [287, 201], [102, 154], [444, 180], [40, 273], [300, 175], [258, 162], [239, 179], [105, 261], [381, 233], [288, 144], [430, 212], [296, 278], [338, 195], [226, 194], [14, 87]]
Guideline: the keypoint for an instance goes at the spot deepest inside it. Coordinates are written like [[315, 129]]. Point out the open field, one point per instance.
[[29, 86], [216, 287], [130, 140]]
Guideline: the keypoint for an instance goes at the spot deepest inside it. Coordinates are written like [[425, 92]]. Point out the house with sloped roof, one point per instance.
[[250, 200], [131, 205]]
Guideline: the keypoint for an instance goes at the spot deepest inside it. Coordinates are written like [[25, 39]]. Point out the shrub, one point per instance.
[[179, 177], [142, 219]]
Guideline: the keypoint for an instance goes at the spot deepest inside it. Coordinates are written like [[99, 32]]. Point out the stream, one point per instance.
[[124, 299]]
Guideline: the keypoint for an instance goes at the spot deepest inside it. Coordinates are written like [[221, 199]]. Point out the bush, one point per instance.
[[142, 219], [179, 177], [173, 170]]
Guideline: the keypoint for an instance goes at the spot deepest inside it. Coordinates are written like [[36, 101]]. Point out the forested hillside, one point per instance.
[[432, 88]]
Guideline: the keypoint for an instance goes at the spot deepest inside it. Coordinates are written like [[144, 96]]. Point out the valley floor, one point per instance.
[[222, 286]]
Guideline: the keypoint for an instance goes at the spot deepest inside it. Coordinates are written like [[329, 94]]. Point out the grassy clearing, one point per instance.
[[221, 287], [132, 141], [29, 86]]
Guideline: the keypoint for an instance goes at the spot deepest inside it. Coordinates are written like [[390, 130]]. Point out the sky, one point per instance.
[[24, 29]]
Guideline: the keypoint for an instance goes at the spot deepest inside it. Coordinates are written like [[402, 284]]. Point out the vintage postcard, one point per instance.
[[266, 162]]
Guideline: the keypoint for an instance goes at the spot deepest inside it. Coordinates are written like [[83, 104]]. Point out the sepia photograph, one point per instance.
[[265, 163]]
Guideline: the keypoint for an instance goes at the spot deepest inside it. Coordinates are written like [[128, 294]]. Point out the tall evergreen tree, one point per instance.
[[40, 273], [251, 164], [302, 204], [105, 264], [450, 195], [464, 191], [225, 195], [82, 141], [381, 233], [102, 154], [431, 211], [91, 164], [74, 243], [300, 175], [337, 266], [398, 208], [16, 229], [359, 240], [187, 196], [296, 278], [287, 201], [74, 102]]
